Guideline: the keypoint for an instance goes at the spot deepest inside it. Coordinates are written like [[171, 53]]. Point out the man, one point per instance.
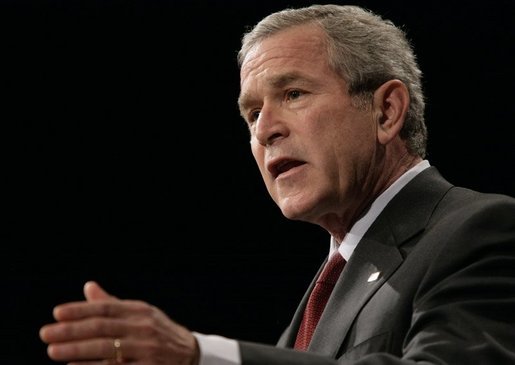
[[333, 101]]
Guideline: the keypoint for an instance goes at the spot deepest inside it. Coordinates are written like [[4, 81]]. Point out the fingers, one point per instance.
[[81, 320], [83, 329], [85, 332], [111, 308], [93, 291], [88, 350], [79, 310]]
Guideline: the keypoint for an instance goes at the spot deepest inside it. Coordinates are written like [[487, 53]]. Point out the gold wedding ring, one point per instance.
[[117, 344]]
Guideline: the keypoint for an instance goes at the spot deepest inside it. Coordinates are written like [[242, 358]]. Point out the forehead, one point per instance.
[[298, 45]]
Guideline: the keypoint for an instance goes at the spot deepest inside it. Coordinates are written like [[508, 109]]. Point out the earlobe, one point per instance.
[[391, 102]]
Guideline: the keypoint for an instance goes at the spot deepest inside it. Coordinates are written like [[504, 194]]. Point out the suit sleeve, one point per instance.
[[259, 354], [463, 311]]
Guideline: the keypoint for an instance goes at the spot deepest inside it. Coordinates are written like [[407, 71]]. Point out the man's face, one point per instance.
[[313, 148]]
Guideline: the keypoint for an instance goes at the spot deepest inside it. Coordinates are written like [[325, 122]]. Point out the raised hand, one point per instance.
[[104, 329]]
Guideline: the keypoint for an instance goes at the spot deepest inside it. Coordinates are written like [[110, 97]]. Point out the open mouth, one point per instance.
[[282, 166]]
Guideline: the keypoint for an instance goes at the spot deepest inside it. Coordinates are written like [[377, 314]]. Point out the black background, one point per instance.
[[124, 159]]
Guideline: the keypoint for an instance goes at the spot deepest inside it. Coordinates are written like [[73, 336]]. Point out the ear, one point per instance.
[[391, 101]]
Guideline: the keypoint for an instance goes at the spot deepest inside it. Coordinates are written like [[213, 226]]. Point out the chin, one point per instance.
[[296, 211]]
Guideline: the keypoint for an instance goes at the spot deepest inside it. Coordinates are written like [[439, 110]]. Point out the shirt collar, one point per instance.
[[358, 230]]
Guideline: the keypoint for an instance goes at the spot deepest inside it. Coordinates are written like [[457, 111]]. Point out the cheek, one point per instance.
[[341, 147], [258, 153]]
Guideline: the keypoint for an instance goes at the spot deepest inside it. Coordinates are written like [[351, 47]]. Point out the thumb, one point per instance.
[[93, 291]]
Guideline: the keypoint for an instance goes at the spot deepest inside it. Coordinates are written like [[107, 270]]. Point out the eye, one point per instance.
[[253, 116], [293, 94]]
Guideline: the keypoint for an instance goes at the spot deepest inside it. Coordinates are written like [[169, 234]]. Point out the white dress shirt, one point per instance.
[[218, 350]]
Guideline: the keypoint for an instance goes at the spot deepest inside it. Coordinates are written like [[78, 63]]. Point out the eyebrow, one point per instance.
[[281, 81], [276, 82]]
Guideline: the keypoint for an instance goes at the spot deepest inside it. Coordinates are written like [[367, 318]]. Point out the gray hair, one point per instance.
[[365, 49]]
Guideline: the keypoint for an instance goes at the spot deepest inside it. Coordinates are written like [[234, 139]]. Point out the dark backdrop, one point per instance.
[[124, 158]]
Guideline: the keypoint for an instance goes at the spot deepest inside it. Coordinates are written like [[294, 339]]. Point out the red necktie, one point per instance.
[[318, 299]]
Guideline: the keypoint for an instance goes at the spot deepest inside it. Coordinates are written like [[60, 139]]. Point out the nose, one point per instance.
[[270, 126]]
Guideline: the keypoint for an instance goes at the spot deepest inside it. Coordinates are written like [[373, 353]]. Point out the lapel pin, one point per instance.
[[374, 276]]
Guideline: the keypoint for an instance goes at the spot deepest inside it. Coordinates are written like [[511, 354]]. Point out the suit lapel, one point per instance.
[[368, 269], [351, 291], [377, 256]]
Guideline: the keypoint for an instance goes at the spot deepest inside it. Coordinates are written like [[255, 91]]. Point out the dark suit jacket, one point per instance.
[[445, 292]]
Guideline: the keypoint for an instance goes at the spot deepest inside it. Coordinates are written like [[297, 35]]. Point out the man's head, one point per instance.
[[332, 98]]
